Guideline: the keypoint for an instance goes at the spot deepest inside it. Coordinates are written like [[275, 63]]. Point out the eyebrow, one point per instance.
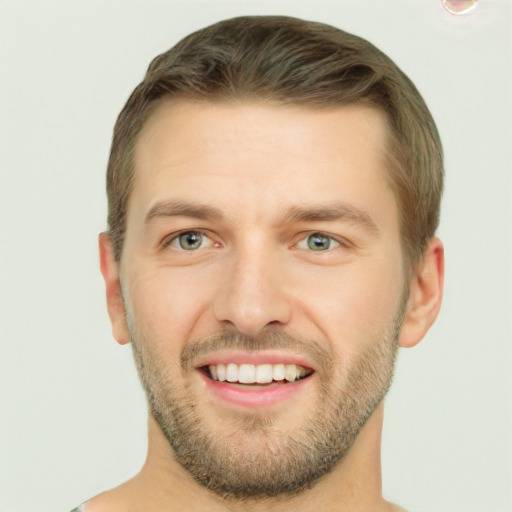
[[309, 213], [172, 208], [333, 212]]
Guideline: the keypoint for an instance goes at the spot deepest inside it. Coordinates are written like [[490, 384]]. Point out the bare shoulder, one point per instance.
[[114, 500], [104, 502], [396, 508], [392, 507]]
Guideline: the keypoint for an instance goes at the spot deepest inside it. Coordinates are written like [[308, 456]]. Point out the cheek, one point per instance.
[[167, 303], [350, 307]]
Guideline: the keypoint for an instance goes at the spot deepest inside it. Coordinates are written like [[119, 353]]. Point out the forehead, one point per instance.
[[259, 156]]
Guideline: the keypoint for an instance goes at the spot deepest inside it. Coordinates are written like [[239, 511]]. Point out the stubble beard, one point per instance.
[[254, 459]]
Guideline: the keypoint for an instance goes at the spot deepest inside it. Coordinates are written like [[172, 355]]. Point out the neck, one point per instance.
[[354, 485]]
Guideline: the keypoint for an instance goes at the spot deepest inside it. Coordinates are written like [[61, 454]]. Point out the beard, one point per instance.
[[254, 458]]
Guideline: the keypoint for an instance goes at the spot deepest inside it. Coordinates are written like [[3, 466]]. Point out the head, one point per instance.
[[274, 189], [286, 61]]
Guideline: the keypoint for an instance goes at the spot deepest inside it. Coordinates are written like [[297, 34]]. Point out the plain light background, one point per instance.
[[72, 414]]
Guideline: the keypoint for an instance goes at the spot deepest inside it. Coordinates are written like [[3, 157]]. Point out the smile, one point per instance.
[[255, 385], [257, 374]]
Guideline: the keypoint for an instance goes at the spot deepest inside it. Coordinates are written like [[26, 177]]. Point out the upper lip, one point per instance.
[[254, 358]]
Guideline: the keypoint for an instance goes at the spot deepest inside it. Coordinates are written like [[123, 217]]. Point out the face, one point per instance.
[[262, 277]]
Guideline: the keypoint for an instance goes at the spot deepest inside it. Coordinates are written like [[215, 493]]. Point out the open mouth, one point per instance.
[[253, 375], [255, 384]]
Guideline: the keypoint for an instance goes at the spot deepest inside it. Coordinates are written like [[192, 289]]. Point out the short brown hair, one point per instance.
[[285, 60]]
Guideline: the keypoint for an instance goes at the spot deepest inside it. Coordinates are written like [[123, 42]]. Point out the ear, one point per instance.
[[110, 271], [425, 295]]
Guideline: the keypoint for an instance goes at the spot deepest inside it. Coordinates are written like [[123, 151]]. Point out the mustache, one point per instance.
[[269, 340]]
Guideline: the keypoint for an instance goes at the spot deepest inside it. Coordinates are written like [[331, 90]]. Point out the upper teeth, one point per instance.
[[260, 374]]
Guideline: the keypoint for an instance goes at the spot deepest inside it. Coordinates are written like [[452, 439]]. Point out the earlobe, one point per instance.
[[110, 271], [425, 295]]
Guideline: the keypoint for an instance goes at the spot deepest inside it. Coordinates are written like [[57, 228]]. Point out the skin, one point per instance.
[[255, 163]]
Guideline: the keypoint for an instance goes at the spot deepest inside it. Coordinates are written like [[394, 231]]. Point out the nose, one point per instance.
[[252, 294]]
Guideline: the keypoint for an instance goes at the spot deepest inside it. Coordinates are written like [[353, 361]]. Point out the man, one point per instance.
[[274, 190]]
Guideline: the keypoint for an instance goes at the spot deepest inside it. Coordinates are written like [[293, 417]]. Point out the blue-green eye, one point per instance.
[[190, 241], [318, 242]]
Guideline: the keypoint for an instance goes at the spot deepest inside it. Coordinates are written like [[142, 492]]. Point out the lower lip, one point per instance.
[[257, 396]]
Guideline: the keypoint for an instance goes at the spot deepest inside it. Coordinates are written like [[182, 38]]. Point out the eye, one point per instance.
[[318, 242], [190, 241]]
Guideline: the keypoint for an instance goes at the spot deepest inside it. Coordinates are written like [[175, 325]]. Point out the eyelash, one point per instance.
[[168, 241]]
